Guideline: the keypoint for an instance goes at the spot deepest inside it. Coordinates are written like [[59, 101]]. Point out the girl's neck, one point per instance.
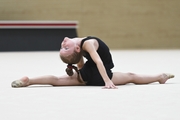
[[78, 40]]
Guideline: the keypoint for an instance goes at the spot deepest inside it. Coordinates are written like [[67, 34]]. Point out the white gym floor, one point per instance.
[[128, 102]]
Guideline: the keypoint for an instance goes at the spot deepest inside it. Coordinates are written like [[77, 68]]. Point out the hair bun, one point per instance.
[[69, 71]]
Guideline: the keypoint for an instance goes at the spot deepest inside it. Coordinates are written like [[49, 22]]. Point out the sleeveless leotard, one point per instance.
[[89, 72]]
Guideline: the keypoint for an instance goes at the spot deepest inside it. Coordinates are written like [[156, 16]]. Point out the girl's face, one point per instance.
[[67, 46]]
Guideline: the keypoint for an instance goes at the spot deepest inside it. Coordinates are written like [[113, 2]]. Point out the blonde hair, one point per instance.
[[74, 58]]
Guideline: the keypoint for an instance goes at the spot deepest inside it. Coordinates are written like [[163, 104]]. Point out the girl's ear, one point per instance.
[[77, 49]]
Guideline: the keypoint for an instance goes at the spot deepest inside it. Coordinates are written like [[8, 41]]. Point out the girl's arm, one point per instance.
[[91, 49]]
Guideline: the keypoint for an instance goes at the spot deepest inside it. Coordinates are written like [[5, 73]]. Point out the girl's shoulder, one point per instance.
[[89, 43]]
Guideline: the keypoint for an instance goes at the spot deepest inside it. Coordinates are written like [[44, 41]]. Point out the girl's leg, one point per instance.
[[49, 80], [124, 78]]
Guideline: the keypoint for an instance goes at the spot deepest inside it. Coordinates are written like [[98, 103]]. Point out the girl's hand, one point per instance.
[[109, 85]]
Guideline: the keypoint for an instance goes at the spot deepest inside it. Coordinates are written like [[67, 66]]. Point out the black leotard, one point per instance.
[[90, 72]]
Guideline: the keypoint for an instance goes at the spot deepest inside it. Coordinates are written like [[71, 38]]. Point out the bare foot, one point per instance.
[[165, 77]]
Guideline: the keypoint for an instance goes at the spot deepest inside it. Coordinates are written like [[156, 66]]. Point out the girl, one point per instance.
[[95, 72]]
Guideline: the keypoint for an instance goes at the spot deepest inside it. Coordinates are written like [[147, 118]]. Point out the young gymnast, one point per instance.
[[96, 71]]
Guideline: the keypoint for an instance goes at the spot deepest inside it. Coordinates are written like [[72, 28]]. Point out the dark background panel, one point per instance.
[[33, 39]]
